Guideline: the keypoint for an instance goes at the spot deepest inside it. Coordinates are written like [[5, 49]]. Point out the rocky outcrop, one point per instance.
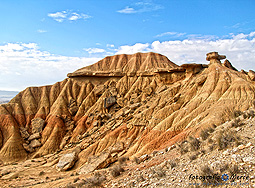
[[68, 160], [214, 57], [251, 74], [120, 65], [152, 104]]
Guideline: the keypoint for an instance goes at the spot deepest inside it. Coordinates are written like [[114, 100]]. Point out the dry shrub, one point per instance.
[[97, 179], [193, 157], [116, 170], [122, 160], [204, 134], [237, 123], [183, 147], [227, 138], [172, 164], [194, 143], [206, 171], [237, 113], [211, 129]]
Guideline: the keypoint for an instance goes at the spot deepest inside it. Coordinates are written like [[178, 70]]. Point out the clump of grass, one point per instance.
[[172, 164], [211, 147], [183, 146], [237, 123], [194, 143], [237, 113], [227, 138], [193, 157], [122, 160], [116, 170], [97, 179], [211, 129], [159, 172], [206, 171], [204, 134]]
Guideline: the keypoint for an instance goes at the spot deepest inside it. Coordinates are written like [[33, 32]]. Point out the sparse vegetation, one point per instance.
[[204, 134], [172, 164], [116, 170], [194, 143], [159, 172], [97, 179], [183, 147], [225, 139], [206, 171], [193, 157], [210, 129], [122, 160], [237, 113], [237, 123]]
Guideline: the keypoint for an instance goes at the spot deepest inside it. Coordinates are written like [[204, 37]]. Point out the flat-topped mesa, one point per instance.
[[214, 57], [120, 65]]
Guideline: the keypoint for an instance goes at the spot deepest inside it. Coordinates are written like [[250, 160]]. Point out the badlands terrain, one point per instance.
[[133, 121]]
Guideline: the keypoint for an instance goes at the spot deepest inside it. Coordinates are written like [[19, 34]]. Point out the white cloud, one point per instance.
[[41, 31], [94, 50], [127, 10], [138, 47], [140, 7], [239, 49], [24, 64], [110, 45], [174, 34], [68, 15]]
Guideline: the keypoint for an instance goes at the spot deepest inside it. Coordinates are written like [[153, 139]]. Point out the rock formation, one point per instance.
[[123, 105]]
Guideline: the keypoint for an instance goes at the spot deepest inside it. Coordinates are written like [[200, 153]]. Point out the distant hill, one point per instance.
[[6, 96]]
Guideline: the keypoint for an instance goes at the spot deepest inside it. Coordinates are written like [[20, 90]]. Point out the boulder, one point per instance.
[[28, 148], [118, 147], [144, 157], [34, 136], [35, 143], [214, 56], [135, 106], [109, 101], [68, 160], [23, 132], [37, 125], [97, 162]]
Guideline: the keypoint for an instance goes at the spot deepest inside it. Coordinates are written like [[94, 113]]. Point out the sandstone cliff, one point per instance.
[[135, 103]]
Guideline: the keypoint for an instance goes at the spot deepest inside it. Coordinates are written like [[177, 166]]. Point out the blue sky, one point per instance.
[[42, 40]]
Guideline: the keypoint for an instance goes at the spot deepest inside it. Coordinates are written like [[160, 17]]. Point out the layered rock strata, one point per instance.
[[124, 105]]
